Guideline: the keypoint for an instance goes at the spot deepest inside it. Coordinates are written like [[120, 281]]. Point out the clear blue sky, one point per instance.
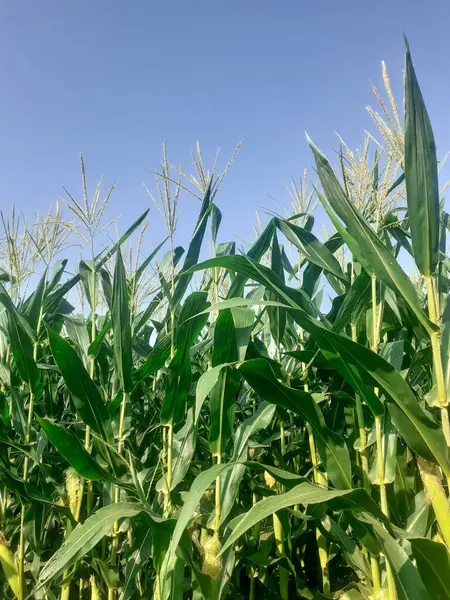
[[112, 79]]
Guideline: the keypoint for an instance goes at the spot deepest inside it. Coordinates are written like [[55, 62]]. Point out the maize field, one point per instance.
[[212, 422]]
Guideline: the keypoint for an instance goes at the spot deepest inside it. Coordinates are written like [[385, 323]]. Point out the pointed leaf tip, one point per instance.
[[405, 39]]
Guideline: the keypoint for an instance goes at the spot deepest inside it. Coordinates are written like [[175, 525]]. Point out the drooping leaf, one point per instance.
[[68, 444], [141, 552], [262, 274], [83, 538], [305, 493], [408, 582], [255, 253], [85, 394], [333, 450], [156, 359], [230, 481], [311, 247], [433, 563], [373, 369], [8, 562], [21, 346], [363, 242]]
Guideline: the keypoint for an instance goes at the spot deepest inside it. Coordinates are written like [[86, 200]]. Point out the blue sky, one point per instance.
[[112, 79]]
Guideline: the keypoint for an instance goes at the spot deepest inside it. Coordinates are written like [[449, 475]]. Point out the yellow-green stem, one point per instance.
[[436, 497], [282, 437], [375, 334], [277, 526], [22, 592], [437, 358], [282, 572], [376, 577], [65, 588], [115, 536], [392, 594], [169, 437], [218, 505], [23, 510], [376, 326], [322, 547], [375, 567], [252, 589], [169, 452]]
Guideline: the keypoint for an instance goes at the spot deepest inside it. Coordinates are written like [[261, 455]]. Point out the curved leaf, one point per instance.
[[332, 448]]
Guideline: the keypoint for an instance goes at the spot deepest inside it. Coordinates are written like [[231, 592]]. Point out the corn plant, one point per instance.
[[274, 427]]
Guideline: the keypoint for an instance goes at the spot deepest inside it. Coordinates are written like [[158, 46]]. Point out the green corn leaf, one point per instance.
[[179, 370], [243, 302], [85, 394], [94, 347], [231, 480], [286, 478], [9, 565], [156, 359], [433, 563], [311, 248], [83, 538], [372, 369], [89, 279], [363, 242], [77, 331], [68, 444], [183, 449], [265, 276], [197, 489], [141, 551], [357, 500], [21, 346], [25, 490], [409, 584], [255, 253], [141, 269], [355, 301], [55, 277], [194, 248], [421, 175], [216, 219], [332, 449], [419, 510], [121, 324], [32, 307], [389, 441], [204, 386], [277, 315], [222, 397], [350, 549]]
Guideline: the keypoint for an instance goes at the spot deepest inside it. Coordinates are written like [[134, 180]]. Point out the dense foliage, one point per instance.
[[220, 429]]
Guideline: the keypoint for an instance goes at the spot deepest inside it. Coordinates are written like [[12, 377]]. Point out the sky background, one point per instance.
[[112, 79]]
